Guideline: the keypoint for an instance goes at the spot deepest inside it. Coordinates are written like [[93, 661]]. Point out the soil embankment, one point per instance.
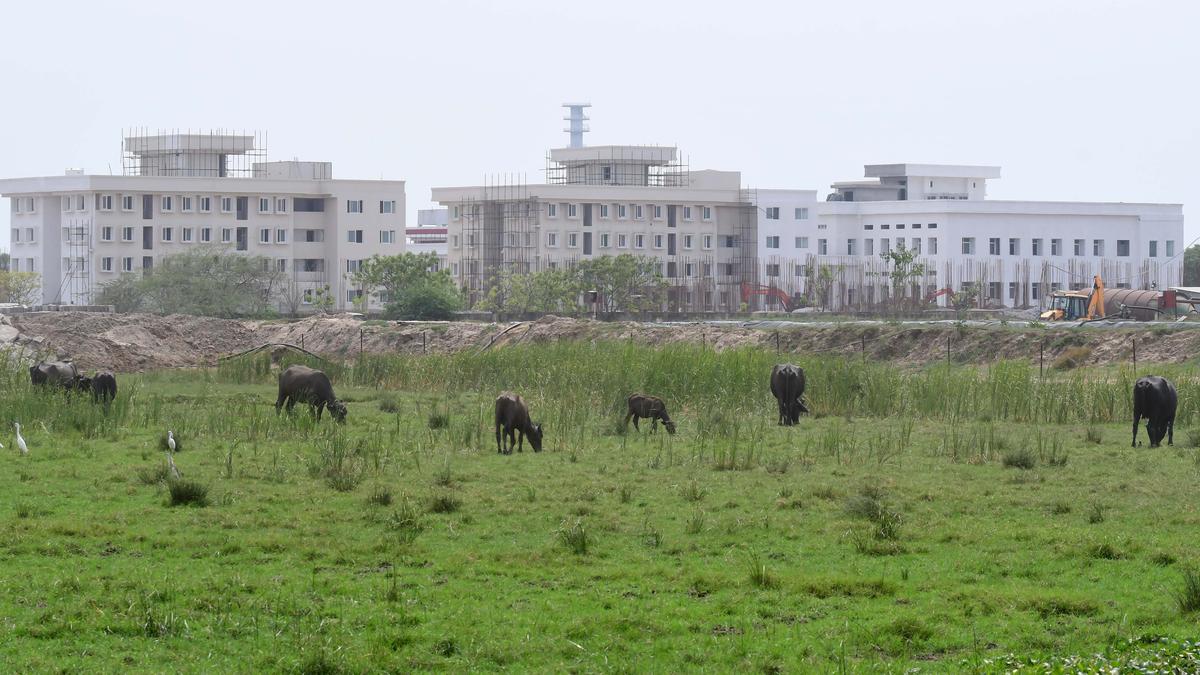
[[130, 342]]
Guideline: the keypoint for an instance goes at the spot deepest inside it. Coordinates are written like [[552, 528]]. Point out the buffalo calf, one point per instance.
[[512, 416], [651, 407], [1155, 399], [787, 385]]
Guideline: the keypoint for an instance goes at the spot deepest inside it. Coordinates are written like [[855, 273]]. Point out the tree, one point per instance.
[[207, 281], [5, 262], [905, 270], [21, 288], [822, 282], [409, 285], [625, 282], [1191, 266], [965, 298]]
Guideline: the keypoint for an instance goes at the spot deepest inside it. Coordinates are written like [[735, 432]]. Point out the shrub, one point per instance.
[[439, 419], [405, 521], [153, 475], [187, 492], [1105, 551], [1188, 596], [692, 492], [695, 523], [343, 478], [24, 509], [1019, 459], [863, 506], [444, 503], [1096, 514], [380, 496], [760, 576], [388, 403], [1162, 559], [574, 537], [1072, 358]]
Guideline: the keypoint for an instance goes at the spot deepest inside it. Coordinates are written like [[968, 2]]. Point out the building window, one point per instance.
[[166, 234], [657, 212], [772, 269], [354, 236], [264, 235], [552, 210], [899, 226], [281, 205], [1098, 247], [80, 204], [772, 242], [658, 241], [387, 236], [639, 241], [637, 212], [1122, 248], [166, 205], [687, 213], [126, 264], [106, 233], [354, 206], [1037, 247], [604, 210], [187, 235], [994, 245], [353, 266], [689, 269], [106, 264], [552, 239], [1170, 248], [226, 235], [801, 242], [687, 242], [932, 241], [1034, 289], [916, 245], [885, 226], [388, 206], [1079, 244], [206, 234], [1153, 249], [280, 235], [622, 241], [226, 204], [772, 213], [126, 234], [106, 202], [885, 246], [1056, 247], [802, 213], [621, 212], [822, 247], [868, 247], [205, 204], [126, 202], [264, 205], [572, 210], [868, 227], [851, 247], [185, 204], [572, 240], [968, 245], [708, 242], [1014, 247], [933, 226], [916, 226], [706, 212], [603, 240]]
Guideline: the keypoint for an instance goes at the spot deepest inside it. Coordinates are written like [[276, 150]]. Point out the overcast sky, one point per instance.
[[1088, 100]]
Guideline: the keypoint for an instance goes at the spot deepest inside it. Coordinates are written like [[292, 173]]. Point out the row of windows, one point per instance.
[[900, 226], [1098, 248], [23, 205], [16, 235], [281, 264], [187, 234], [202, 204], [619, 211], [16, 265], [621, 240], [801, 213]]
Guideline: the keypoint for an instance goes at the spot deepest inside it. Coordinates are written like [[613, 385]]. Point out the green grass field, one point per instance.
[[951, 519]]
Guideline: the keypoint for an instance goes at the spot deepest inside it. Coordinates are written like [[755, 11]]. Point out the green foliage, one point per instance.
[[22, 288], [431, 299], [905, 274], [1021, 458], [187, 493], [549, 291], [409, 286], [1188, 596], [205, 281], [1191, 266], [574, 537]]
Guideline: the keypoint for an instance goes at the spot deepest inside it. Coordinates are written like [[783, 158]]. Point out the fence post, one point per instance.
[[863, 341], [424, 345], [776, 342], [360, 343], [302, 341], [1042, 358], [1135, 357], [947, 349]]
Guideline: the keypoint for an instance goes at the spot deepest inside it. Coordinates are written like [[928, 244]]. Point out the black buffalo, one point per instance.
[[1155, 399], [103, 386], [60, 374], [512, 415], [306, 385], [650, 407], [787, 385]]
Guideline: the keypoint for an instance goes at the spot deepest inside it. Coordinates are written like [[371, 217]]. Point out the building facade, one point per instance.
[[430, 235], [1012, 253], [183, 191], [610, 200]]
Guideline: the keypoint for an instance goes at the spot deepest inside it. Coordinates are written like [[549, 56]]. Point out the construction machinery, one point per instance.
[[749, 290], [1077, 304]]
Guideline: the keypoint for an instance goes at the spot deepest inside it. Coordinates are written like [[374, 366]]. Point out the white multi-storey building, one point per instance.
[[610, 200], [183, 191], [1014, 253], [430, 235]]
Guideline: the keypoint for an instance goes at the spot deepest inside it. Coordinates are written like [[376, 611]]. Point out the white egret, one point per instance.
[[21, 441], [171, 440]]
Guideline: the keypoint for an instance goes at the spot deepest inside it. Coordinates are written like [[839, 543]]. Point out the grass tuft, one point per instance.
[[406, 521], [380, 496], [443, 503], [759, 575], [692, 491], [1188, 595], [1073, 357], [574, 537], [187, 493], [1019, 459]]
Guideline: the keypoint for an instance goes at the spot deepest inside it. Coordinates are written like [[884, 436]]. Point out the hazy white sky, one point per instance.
[[1088, 100]]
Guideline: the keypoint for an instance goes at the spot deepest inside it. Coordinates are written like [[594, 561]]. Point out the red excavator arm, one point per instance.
[[934, 295], [749, 289]]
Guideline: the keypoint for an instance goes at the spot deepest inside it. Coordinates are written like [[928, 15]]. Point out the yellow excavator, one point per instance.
[[1075, 305]]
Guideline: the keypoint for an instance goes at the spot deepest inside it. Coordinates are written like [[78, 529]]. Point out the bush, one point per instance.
[[1072, 358], [187, 492], [1188, 597], [444, 503], [439, 420], [574, 537], [429, 300], [1019, 459]]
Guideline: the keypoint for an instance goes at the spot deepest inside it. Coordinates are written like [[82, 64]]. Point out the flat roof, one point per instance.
[[931, 170], [638, 154]]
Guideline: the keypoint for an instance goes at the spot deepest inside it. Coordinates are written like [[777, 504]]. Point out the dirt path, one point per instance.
[[131, 342]]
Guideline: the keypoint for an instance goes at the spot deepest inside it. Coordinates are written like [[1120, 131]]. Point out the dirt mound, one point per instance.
[[130, 342]]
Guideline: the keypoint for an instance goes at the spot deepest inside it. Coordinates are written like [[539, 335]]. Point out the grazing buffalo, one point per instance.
[[61, 374], [1155, 399], [512, 415], [104, 387], [651, 407], [306, 385], [787, 384]]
